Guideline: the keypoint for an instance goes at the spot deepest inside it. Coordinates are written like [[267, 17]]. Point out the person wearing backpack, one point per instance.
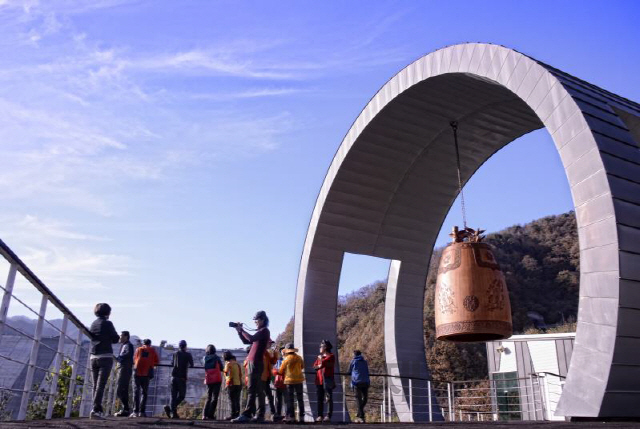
[[281, 388], [359, 370], [144, 360], [213, 380], [233, 376]]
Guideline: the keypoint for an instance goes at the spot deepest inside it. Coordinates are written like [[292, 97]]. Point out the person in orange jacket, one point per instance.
[[292, 369], [281, 388], [233, 374], [145, 360]]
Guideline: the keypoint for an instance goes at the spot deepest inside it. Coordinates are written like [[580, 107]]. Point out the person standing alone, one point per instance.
[[359, 370], [103, 335], [182, 361], [125, 370]]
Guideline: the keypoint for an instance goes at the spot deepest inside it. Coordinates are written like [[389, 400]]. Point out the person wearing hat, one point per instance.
[[144, 360], [325, 383], [233, 375], [182, 361], [292, 369], [125, 370], [255, 367]]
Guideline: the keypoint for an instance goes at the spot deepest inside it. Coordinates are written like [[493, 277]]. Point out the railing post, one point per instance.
[[33, 359], [6, 298], [389, 399], [74, 374], [384, 398], [450, 398], [53, 390], [344, 399], [430, 401], [88, 381], [411, 398]]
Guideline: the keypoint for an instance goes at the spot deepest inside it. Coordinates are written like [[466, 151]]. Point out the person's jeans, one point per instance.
[[324, 394], [255, 389], [362, 396], [213, 391], [140, 393], [100, 370], [281, 399], [124, 380], [178, 392], [234, 398], [295, 389]]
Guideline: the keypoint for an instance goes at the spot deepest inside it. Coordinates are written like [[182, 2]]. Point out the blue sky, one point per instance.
[[165, 156]]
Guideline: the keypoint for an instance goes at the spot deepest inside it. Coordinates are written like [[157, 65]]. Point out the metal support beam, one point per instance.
[[87, 387], [74, 375], [53, 389], [33, 359], [6, 298]]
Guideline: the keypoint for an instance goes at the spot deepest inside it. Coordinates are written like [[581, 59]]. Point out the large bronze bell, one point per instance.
[[471, 301]]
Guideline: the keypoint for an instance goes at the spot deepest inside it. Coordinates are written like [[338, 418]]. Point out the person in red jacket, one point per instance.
[[213, 379], [325, 383], [144, 360]]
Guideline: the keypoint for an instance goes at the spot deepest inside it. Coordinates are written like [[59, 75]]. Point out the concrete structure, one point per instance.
[[393, 180], [527, 374]]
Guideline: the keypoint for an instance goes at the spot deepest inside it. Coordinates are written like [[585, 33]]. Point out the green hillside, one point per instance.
[[540, 261]]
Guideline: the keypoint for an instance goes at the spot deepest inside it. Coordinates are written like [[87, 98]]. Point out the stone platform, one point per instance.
[[185, 424]]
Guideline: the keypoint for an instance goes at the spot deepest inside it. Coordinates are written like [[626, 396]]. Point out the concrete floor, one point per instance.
[[177, 424]]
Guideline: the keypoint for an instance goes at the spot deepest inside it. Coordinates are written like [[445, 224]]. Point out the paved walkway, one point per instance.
[[187, 424]]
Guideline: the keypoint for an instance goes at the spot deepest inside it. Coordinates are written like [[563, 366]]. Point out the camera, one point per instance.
[[234, 324]]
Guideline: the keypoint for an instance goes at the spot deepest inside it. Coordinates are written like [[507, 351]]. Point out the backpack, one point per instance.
[[213, 375]]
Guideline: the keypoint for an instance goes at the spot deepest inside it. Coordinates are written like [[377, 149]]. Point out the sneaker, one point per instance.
[[319, 419], [97, 415], [241, 419], [327, 419], [358, 420], [122, 413], [133, 415], [167, 411]]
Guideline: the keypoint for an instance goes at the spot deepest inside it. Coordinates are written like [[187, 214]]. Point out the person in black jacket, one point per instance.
[[103, 335], [182, 361], [125, 369]]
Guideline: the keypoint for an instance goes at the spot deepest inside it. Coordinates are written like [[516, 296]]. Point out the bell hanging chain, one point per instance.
[[454, 126]]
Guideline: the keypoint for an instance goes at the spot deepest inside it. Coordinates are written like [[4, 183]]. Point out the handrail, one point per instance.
[[12, 258]]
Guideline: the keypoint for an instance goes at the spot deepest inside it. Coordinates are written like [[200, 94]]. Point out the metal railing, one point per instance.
[[36, 392], [20, 396]]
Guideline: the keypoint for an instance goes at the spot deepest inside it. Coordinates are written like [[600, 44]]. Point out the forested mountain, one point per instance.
[[540, 261]]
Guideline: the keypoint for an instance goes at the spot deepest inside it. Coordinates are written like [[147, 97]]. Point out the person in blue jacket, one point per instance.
[[359, 370]]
